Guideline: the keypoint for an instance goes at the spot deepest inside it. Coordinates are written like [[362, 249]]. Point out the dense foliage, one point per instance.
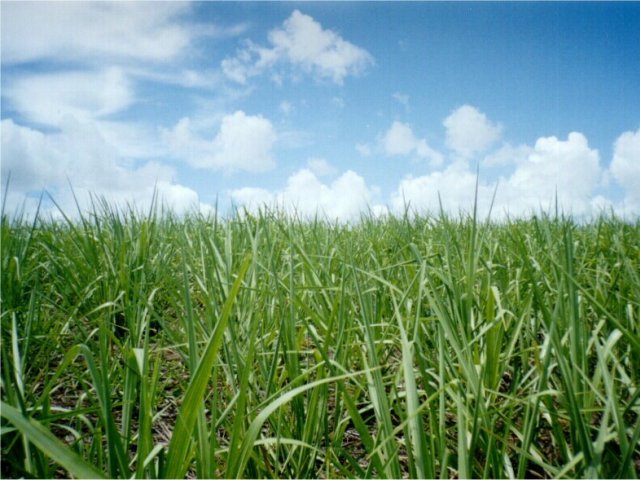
[[265, 346]]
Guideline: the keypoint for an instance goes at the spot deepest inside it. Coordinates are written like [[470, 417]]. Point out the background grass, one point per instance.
[[146, 345]]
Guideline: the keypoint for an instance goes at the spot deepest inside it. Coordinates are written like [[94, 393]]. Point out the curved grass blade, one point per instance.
[[49, 444], [237, 463], [181, 438]]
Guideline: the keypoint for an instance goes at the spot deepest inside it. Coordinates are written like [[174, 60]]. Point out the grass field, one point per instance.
[[148, 346]]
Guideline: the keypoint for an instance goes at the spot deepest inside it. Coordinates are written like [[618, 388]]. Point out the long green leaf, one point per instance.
[[193, 398], [237, 463], [49, 444]]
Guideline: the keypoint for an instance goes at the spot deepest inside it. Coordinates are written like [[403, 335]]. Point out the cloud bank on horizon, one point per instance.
[[368, 109]]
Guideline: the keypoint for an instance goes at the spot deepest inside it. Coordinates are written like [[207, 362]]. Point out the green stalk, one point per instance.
[[49, 444], [177, 461]]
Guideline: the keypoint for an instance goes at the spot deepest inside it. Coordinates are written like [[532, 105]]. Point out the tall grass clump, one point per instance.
[[146, 345]]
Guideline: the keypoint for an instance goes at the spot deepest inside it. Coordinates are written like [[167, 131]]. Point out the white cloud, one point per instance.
[[469, 131], [569, 169], [343, 199], [400, 140], [251, 198], [320, 167], [303, 43], [181, 199], [178, 75], [239, 68], [507, 155], [625, 166], [79, 155], [79, 152], [454, 187], [48, 98], [601, 204], [30, 157], [243, 143], [93, 31], [133, 140]]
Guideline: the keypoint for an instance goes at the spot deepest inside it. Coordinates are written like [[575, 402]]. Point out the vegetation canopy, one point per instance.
[[150, 346]]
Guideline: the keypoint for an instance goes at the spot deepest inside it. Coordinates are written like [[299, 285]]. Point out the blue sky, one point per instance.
[[324, 107]]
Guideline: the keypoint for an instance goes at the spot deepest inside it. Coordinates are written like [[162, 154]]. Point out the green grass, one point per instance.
[[146, 345]]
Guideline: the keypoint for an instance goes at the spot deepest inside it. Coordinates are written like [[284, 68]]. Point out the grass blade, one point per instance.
[[49, 444], [181, 439]]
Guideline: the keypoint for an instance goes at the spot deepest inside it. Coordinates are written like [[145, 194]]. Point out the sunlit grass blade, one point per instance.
[[397, 346], [238, 462], [177, 465]]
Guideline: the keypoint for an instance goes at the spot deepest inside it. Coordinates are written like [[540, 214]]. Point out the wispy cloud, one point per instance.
[[47, 98], [303, 43], [74, 73], [94, 32], [93, 93]]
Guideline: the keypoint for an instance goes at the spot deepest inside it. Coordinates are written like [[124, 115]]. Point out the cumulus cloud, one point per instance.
[[93, 31], [79, 155], [454, 187], [343, 199], [552, 169], [180, 199], [400, 140], [304, 44], [48, 98], [568, 169], [252, 198], [625, 166], [524, 178], [507, 155], [468, 131], [243, 143]]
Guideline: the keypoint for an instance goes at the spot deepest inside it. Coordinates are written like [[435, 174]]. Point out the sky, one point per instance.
[[329, 108]]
